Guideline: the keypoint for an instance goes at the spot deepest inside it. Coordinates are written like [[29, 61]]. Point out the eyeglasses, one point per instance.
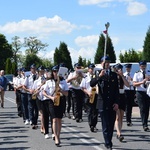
[[55, 71]]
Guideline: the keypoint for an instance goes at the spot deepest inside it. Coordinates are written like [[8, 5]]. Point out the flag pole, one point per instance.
[[106, 32]]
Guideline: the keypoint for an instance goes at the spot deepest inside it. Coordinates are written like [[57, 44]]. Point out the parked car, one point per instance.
[[9, 81]]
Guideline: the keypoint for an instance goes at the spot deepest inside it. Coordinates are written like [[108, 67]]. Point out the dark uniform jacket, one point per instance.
[[108, 90]]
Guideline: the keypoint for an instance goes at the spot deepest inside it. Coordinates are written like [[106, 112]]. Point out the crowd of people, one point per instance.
[[108, 92]]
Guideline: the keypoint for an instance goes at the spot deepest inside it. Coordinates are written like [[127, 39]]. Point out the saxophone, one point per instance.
[[34, 95], [57, 93], [92, 97]]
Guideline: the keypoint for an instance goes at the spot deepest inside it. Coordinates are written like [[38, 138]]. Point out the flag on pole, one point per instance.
[[105, 31]]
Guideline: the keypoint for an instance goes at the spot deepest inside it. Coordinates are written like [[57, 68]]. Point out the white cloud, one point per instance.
[[136, 8], [133, 7], [93, 2], [43, 26], [87, 40], [87, 53]]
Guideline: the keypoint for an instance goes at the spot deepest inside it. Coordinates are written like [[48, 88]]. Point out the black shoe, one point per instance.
[[120, 138], [146, 129], [20, 115], [92, 129], [129, 124], [108, 147], [57, 144], [34, 126], [77, 120]]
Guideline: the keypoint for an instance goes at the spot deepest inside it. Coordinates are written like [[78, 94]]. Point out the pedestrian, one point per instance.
[[90, 98], [3, 86], [75, 79], [108, 98], [129, 93], [37, 85], [139, 80], [32, 106], [54, 91], [17, 87], [24, 97], [122, 101]]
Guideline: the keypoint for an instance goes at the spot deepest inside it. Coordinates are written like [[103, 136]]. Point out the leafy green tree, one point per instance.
[[47, 63], [80, 60], [14, 68], [16, 46], [34, 45], [100, 49], [32, 59], [5, 51], [8, 67], [146, 47], [130, 56], [62, 55], [57, 56]]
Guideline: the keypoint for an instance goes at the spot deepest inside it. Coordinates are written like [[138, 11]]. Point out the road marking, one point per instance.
[[74, 130], [10, 99], [83, 135]]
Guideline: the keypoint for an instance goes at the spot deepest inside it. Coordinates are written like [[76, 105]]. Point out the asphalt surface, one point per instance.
[[14, 135]]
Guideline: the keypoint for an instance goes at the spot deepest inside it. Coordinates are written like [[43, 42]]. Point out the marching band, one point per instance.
[[46, 94]]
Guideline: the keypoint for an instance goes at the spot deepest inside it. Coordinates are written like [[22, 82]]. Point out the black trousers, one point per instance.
[[92, 112], [144, 104], [19, 103], [129, 98], [68, 100], [108, 118], [77, 98], [47, 107], [33, 110]]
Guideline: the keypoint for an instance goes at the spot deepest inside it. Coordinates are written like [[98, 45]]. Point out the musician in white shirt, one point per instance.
[[129, 93], [143, 99]]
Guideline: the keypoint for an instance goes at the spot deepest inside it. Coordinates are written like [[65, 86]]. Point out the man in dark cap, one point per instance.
[[129, 93], [17, 89], [28, 83], [90, 98], [108, 97], [143, 99], [75, 79]]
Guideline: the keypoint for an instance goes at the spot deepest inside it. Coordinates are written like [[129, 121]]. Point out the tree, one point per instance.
[[47, 63], [16, 46], [100, 49], [130, 56], [62, 55], [57, 56], [32, 59], [80, 60], [8, 67], [5, 51], [146, 47], [34, 45]]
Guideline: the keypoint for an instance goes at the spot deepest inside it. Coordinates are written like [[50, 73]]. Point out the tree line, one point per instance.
[[12, 57]]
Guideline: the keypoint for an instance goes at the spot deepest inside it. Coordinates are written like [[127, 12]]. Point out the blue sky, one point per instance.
[[78, 23]]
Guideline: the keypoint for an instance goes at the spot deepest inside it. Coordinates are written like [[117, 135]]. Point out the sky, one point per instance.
[[78, 23]]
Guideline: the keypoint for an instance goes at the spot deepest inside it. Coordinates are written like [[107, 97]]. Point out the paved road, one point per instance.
[[14, 135]]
